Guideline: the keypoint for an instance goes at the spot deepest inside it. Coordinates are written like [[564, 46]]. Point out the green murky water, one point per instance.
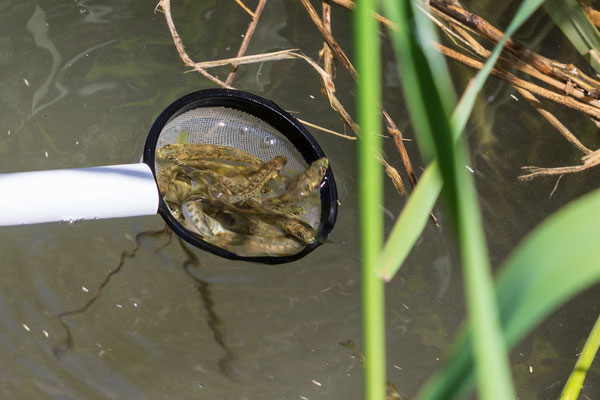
[[81, 85]]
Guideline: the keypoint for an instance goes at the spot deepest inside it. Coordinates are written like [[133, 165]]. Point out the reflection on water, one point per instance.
[[82, 82]]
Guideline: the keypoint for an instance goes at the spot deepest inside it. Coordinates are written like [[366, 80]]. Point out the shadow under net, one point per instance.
[[213, 321]]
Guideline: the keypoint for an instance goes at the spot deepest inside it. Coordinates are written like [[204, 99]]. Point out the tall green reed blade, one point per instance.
[[553, 263], [429, 94], [577, 27], [413, 218], [582, 366], [370, 188]]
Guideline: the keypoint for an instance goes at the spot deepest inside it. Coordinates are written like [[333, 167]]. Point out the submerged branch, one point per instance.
[[589, 161]]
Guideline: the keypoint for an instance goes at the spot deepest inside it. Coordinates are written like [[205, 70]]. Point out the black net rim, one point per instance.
[[272, 114]]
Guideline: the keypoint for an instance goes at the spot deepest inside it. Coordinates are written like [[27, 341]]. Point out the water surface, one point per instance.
[[82, 83]]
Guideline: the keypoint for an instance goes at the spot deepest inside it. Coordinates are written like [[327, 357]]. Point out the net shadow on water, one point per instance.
[[214, 322], [67, 344]]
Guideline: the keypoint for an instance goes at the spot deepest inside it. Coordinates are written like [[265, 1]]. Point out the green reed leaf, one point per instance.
[[429, 96], [574, 23], [584, 362], [411, 221], [414, 215], [370, 194], [552, 264]]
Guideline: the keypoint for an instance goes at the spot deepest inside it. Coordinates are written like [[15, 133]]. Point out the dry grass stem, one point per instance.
[[398, 141], [331, 42], [592, 14], [326, 80], [253, 15], [563, 72], [329, 87], [535, 103], [337, 50], [555, 186], [460, 41], [393, 174], [325, 52], [475, 47], [247, 37], [251, 59], [518, 82], [165, 7], [287, 55], [326, 130]]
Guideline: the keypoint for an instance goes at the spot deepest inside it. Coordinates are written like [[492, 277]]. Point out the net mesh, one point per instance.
[[231, 127]]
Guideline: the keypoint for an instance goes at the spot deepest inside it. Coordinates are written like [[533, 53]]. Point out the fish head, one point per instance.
[[170, 152]]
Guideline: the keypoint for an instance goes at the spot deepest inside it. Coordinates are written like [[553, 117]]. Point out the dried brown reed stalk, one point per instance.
[[325, 53], [391, 126], [458, 32], [326, 80], [575, 89], [326, 74], [563, 72], [331, 42], [458, 24], [164, 6], [563, 130], [247, 37], [241, 4], [592, 14]]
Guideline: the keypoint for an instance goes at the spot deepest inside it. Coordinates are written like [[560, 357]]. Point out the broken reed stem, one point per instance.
[[592, 14], [325, 52], [393, 174], [331, 42], [326, 130], [253, 15], [165, 6], [535, 103], [397, 136], [339, 53], [518, 82], [472, 45], [247, 37], [395, 133], [545, 65]]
